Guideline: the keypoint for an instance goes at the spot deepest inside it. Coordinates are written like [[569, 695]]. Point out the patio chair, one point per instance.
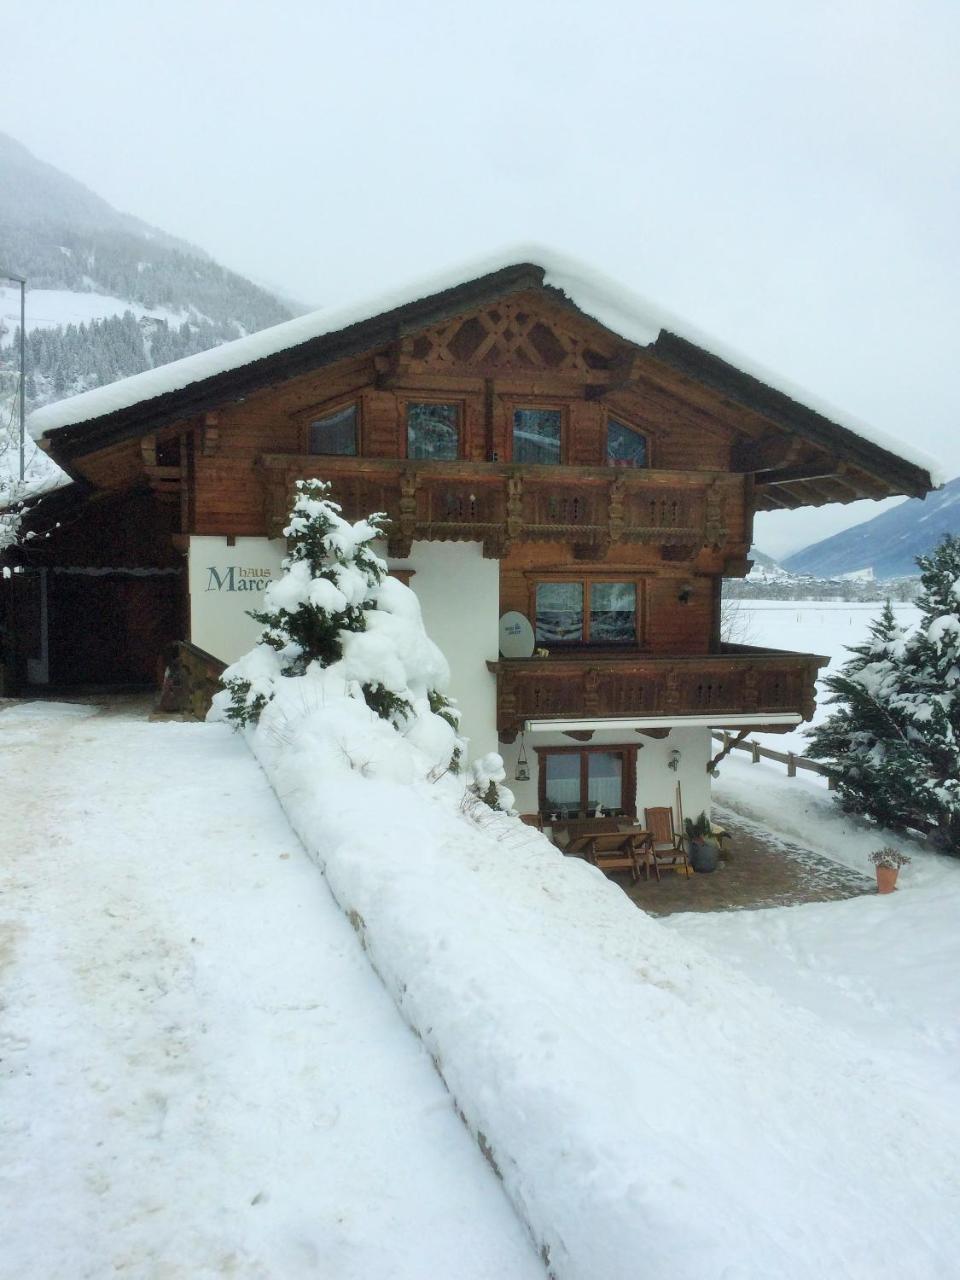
[[668, 850]]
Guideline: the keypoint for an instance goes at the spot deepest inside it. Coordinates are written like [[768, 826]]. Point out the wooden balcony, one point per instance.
[[501, 503], [738, 681]]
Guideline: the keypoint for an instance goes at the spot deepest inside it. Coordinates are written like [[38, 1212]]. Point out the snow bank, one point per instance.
[[803, 810], [605, 300], [648, 1109]]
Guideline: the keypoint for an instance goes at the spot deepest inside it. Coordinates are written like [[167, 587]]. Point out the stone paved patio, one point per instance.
[[763, 870]]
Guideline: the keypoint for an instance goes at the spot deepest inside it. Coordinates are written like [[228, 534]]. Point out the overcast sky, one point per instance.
[[783, 175]]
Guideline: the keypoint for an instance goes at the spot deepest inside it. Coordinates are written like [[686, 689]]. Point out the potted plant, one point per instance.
[[888, 862], [704, 852]]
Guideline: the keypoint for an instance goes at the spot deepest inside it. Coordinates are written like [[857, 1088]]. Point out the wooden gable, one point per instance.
[[518, 334], [494, 344]]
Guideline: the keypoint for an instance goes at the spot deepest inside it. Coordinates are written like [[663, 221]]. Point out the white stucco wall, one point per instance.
[[656, 781], [458, 590], [459, 594], [224, 583]]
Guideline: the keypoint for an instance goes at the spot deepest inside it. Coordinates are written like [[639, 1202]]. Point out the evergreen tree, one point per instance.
[[335, 629], [327, 585], [933, 701], [867, 738], [894, 741]]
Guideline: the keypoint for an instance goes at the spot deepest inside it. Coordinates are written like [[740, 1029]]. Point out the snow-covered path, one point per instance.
[[200, 1074]]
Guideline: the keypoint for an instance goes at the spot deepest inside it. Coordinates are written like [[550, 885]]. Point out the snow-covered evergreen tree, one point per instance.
[[894, 740], [867, 738], [335, 626], [932, 701]]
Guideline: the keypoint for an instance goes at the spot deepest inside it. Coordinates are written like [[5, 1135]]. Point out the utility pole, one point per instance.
[[21, 281]]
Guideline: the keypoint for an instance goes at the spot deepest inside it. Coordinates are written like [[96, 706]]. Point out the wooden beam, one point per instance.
[[774, 449], [780, 498], [824, 470], [866, 484], [394, 365], [623, 372]]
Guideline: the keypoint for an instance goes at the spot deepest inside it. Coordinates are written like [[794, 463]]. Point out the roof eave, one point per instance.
[[751, 393]]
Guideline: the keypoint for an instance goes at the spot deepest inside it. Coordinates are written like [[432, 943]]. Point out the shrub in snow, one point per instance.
[[894, 740], [336, 629], [486, 778]]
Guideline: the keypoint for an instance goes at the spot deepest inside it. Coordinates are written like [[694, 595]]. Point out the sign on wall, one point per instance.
[[225, 582]]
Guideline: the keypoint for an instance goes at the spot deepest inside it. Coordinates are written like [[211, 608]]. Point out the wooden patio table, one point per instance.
[[617, 850]]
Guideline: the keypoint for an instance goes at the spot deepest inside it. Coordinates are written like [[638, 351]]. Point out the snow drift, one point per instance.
[[646, 1109]]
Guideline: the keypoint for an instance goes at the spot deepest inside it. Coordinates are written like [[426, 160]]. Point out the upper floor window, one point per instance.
[[625, 447], [433, 430], [335, 432], [587, 612], [536, 435]]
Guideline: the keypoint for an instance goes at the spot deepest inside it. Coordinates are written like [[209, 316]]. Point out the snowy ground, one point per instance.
[[883, 968], [47, 308], [643, 1098], [201, 1075]]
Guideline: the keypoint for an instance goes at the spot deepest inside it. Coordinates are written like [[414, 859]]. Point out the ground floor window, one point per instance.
[[576, 782]]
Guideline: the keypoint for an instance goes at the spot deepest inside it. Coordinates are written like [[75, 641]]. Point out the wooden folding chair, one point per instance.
[[668, 850]]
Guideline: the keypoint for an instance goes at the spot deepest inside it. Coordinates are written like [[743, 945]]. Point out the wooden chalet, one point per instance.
[[542, 444]]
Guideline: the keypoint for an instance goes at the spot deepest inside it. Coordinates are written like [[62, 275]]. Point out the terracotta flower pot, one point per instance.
[[886, 879]]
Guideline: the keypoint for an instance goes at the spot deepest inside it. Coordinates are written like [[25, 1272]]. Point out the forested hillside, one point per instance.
[[108, 295]]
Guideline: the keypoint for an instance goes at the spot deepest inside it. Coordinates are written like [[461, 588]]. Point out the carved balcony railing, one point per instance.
[[740, 680], [500, 503]]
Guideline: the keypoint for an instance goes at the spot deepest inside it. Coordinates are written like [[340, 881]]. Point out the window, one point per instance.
[[575, 782], [336, 432], [433, 431], [625, 447], [574, 613], [536, 435]]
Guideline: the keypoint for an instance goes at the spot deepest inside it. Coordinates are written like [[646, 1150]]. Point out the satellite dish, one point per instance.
[[516, 636]]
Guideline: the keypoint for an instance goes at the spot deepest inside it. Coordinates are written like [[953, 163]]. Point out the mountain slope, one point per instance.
[[62, 236], [108, 295], [889, 543]]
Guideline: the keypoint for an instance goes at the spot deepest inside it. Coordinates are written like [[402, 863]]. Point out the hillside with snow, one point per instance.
[[888, 544], [108, 295]]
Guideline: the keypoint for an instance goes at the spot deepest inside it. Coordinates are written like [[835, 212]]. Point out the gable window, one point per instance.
[[576, 613], [625, 447], [433, 431], [576, 782], [335, 433], [536, 435]]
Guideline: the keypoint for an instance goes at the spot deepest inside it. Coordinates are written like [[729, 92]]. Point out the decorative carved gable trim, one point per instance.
[[509, 336]]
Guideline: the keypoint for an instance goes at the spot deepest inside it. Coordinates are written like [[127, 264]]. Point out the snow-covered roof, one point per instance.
[[618, 309]]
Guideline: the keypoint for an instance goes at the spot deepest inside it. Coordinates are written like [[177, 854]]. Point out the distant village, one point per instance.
[[770, 582]]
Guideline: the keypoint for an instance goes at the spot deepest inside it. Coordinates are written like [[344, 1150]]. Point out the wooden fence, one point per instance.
[[789, 758]]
